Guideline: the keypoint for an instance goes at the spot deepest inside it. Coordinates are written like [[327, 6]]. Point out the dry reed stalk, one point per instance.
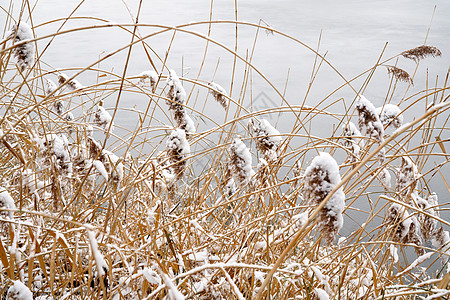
[[202, 251]]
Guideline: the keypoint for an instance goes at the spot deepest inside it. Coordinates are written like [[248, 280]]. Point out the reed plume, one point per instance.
[[219, 93], [72, 84], [241, 162], [24, 53], [407, 175], [400, 74], [149, 76], [268, 139], [320, 178], [178, 150], [421, 52], [390, 114]]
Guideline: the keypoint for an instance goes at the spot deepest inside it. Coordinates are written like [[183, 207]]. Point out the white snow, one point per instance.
[[172, 291], [177, 141], [72, 84], [415, 263], [219, 93], [151, 276], [6, 201], [150, 76], [19, 291], [100, 168], [24, 53], [242, 161], [188, 124], [390, 114], [385, 178], [102, 266], [265, 133], [407, 174], [321, 294], [176, 90], [393, 252], [368, 118], [102, 118], [50, 86]]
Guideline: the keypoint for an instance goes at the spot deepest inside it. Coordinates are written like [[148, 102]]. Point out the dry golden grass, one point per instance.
[[107, 211]]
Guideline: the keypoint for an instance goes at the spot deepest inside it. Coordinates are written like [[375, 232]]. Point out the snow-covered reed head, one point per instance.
[[405, 228], [350, 134], [241, 162], [23, 53], [72, 84], [390, 114], [268, 139], [406, 176], [176, 92], [19, 291], [219, 93], [150, 76], [102, 118], [320, 178], [369, 119], [352, 142], [184, 121], [429, 225], [49, 87], [6, 202], [178, 150]]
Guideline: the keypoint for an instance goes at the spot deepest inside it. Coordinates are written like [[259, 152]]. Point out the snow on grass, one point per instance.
[[19, 291]]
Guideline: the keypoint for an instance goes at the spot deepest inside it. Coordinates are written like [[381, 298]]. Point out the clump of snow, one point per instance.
[[390, 114], [241, 162], [149, 76], [268, 139], [69, 117], [385, 178], [72, 84], [350, 132], [406, 176], [172, 291], [177, 98], [393, 252], [321, 294], [151, 276], [404, 228], [102, 118], [101, 169], [102, 266], [19, 291], [50, 87], [176, 92], [429, 225], [23, 53], [319, 180], [219, 93], [185, 122], [177, 150], [6, 201], [368, 118]]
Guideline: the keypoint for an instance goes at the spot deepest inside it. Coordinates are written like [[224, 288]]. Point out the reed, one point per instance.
[[166, 200]]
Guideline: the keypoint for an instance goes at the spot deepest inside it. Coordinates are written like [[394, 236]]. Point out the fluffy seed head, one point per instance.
[[23, 53]]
